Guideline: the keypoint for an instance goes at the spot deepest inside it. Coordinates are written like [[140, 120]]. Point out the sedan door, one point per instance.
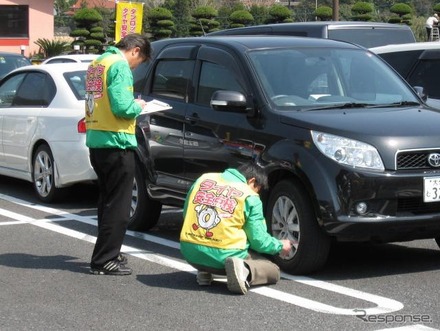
[[8, 89], [20, 118]]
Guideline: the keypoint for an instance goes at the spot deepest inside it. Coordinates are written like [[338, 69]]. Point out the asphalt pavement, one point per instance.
[[46, 284]]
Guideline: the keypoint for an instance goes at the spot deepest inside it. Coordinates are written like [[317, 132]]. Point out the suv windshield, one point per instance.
[[313, 78]]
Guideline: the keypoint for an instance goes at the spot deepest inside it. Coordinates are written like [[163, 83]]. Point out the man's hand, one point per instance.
[[141, 102], [287, 247]]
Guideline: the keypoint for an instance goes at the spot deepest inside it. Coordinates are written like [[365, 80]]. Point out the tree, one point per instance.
[[259, 13], [86, 35], [403, 13], [203, 21], [361, 11], [324, 13], [279, 14], [225, 11], [51, 47], [240, 18], [108, 23], [305, 11], [161, 23], [60, 8], [181, 10]]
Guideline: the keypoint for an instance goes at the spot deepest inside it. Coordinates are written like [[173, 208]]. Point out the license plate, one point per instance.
[[431, 189]]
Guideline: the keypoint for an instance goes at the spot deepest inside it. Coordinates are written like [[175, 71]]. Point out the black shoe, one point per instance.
[[122, 258], [113, 267]]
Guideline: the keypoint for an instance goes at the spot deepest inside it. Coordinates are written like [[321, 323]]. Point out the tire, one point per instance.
[[144, 212], [290, 216], [43, 175]]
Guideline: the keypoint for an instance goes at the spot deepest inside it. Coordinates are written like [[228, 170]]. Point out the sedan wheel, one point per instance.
[[290, 216], [43, 177]]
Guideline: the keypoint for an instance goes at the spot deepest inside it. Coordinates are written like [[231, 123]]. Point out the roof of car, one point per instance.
[[317, 24], [340, 23], [76, 57], [56, 67], [406, 47], [254, 41], [3, 53]]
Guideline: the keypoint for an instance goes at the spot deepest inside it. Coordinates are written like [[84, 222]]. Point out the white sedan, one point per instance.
[[71, 58], [42, 128]]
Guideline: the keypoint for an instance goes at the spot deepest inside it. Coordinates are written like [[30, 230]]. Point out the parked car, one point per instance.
[[351, 151], [69, 58], [11, 61], [42, 128], [367, 34], [418, 63]]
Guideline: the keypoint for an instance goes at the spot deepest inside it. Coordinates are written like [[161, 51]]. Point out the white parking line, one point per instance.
[[382, 305]]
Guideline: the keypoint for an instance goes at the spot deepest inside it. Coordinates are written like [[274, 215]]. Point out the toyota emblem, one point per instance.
[[434, 160]]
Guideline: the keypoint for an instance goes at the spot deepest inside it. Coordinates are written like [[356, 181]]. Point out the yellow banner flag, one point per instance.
[[128, 18]]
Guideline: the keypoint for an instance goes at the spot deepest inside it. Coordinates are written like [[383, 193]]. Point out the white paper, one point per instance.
[[155, 105]]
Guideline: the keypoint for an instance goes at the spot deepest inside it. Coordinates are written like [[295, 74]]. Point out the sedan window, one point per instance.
[[9, 88], [35, 90], [76, 81]]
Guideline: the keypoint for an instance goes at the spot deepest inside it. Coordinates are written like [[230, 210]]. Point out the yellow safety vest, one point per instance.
[[215, 213], [98, 109]]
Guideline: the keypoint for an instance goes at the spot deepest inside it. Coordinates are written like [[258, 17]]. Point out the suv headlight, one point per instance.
[[346, 151]]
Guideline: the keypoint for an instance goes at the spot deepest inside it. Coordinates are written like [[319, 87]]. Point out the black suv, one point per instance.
[[351, 151]]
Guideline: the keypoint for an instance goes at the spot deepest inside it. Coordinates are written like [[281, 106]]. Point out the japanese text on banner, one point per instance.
[[128, 19]]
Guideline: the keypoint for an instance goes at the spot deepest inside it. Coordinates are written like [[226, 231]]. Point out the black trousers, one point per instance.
[[428, 32], [115, 171]]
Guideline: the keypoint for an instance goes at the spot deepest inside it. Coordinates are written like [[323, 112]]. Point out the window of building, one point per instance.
[[14, 21]]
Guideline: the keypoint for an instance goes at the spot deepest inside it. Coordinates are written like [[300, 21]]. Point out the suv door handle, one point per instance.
[[193, 119]]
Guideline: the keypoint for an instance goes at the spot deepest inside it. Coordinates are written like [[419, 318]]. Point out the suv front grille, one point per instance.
[[414, 160]]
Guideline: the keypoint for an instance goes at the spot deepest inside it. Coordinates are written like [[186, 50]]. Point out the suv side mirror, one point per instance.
[[228, 101], [420, 92]]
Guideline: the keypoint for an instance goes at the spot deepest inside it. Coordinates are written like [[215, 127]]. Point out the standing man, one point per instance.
[[224, 229], [111, 112], [430, 23]]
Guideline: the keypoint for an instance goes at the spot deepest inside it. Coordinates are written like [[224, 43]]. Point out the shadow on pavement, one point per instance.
[[181, 280], [29, 261]]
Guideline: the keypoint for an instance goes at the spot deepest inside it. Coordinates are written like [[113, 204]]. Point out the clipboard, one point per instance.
[[155, 105]]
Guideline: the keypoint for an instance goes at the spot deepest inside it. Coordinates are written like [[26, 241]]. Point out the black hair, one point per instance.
[[133, 40], [251, 170]]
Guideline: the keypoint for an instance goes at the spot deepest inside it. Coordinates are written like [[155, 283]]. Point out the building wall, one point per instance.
[[41, 25]]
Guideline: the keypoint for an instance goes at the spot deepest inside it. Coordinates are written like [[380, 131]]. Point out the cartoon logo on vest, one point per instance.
[[90, 103], [207, 218]]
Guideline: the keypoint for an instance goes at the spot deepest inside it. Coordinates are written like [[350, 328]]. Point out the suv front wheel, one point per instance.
[[290, 216]]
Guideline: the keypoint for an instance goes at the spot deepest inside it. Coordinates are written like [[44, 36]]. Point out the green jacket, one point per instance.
[[258, 239], [119, 86]]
